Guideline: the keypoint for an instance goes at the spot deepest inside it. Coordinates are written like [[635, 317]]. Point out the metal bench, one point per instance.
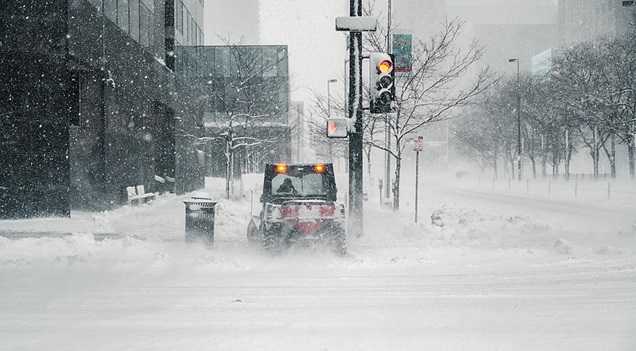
[[137, 195]]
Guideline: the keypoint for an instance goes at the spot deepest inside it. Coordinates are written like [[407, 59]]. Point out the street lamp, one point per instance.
[[329, 112], [518, 117]]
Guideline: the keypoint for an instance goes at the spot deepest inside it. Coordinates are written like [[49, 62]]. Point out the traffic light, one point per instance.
[[381, 82]]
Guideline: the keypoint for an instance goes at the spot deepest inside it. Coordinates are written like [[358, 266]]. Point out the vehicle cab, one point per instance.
[[299, 203]]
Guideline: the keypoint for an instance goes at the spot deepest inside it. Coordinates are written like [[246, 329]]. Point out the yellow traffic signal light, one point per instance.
[[385, 66]]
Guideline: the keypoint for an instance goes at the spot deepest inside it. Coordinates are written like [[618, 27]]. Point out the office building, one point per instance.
[[243, 90], [90, 103]]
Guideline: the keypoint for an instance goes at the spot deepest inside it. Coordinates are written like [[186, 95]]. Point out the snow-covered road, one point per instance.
[[497, 276]]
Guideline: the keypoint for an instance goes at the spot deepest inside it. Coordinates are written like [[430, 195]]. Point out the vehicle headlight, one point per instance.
[[273, 212]]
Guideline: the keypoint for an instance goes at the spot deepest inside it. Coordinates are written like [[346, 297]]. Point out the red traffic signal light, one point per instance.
[[337, 128]]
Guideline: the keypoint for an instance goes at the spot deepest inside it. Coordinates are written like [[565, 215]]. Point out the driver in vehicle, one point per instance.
[[287, 187]]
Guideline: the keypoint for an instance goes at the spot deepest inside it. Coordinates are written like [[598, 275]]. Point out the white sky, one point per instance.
[[316, 50]]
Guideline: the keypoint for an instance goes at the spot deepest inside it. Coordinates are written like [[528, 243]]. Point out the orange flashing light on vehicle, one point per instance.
[[320, 168], [280, 168]]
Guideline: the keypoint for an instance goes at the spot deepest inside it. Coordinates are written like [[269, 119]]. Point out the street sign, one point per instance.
[[419, 144], [356, 24], [403, 52]]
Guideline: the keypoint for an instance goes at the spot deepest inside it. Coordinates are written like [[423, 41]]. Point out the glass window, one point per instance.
[[134, 19], [221, 60], [122, 15], [189, 29], [299, 184], [270, 68], [97, 4], [145, 26], [282, 62], [110, 9], [179, 16]]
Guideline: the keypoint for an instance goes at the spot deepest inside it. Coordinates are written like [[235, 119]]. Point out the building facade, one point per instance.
[[591, 20], [242, 90], [89, 105]]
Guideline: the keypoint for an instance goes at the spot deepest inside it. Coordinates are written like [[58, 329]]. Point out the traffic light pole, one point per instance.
[[387, 116], [355, 138]]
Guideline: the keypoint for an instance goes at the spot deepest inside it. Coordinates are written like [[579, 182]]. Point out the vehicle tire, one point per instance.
[[252, 233], [273, 241], [340, 242]]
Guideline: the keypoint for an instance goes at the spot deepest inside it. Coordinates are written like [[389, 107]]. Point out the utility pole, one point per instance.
[[387, 129], [355, 114]]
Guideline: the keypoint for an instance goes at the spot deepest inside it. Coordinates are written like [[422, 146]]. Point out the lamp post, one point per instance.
[[329, 112], [518, 117], [329, 96]]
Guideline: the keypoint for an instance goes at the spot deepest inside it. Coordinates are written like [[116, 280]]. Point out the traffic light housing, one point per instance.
[[381, 82]]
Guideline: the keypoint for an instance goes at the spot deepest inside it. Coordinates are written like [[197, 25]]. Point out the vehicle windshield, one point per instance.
[[301, 184]]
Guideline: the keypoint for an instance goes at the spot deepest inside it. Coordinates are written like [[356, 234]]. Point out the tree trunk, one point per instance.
[[544, 164], [396, 183], [368, 151], [494, 164], [512, 165], [555, 164], [595, 152], [556, 157], [534, 166], [612, 157], [595, 163], [630, 155], [232, 171], [568, 159], [228, 169]]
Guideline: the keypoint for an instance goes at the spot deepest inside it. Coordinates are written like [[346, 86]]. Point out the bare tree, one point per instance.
[[244, 98], [442, 80]]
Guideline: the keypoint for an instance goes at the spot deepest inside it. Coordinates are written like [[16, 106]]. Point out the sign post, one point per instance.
[[419, 146]]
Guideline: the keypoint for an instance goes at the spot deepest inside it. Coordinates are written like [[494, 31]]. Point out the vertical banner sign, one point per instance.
[[403, 52]]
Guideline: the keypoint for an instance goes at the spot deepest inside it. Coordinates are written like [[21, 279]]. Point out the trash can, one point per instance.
[[199, 219]]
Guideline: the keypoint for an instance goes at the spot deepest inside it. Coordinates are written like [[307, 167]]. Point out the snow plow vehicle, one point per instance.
[[299, 204]]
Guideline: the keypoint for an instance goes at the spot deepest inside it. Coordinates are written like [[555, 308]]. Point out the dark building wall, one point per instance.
[[34, 144], [35, 27], [34, 109], [97, 112]]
